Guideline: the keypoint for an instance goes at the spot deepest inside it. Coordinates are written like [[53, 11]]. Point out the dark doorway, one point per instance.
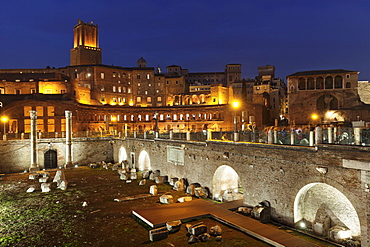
[[50, 159]]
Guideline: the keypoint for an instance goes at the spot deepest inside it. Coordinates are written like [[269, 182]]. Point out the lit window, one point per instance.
[[138, 84], [129, 90], [114, 89], [148, 76], [102, 88], [124, 89], [114, 74], [124, 100], [150, 85], [146, 92], [40, 111], [50, 110], [27, 110], [102, 75], [159, 98], [138, 99], [119, 89], [149, 99]]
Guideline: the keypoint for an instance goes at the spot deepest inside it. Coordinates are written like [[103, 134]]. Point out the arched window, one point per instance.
[[327, 102], [301, 84], [329, 82], [310, 84], [338, 82], [348, 84], [319, 82]]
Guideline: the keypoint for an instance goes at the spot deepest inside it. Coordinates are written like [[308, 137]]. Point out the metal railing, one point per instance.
[[298, 137]]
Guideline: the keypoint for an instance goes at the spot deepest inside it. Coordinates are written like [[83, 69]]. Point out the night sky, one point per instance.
[[200, 35]]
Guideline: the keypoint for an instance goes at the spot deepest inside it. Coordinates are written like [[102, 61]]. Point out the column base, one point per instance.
[[34, 168], [68, 165]]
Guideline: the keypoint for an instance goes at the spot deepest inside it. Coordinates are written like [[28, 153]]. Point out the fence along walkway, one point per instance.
[[158, 216]]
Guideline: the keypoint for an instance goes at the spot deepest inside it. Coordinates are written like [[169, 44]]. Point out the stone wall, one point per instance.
[[15, 155], [266, 172]]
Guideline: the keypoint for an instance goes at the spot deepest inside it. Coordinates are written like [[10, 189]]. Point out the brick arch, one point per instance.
[[144, 161], [225, 178], [305, 183], [314, 196]]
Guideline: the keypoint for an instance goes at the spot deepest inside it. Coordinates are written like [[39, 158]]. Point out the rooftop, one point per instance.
[[321, 72]]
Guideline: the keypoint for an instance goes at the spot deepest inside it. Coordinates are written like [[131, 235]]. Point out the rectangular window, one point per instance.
[[40, 111], [114, 89], [63, 124], [27, 125], [114, 74], [50, 111], [149, 99], [102, 75], [138, 99], [51, 126], [159, 99], [119, 89], [138, 76], [129, 90], [148, 76], [17, 91], [61, 91], [102, 88], [40, 125], [27, 110], [124, 100], [124, 90], [2, 90]]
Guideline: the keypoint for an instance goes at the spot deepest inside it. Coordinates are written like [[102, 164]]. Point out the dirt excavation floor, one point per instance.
[[87, 215]]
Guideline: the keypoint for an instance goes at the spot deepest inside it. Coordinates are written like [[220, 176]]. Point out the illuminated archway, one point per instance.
[[316, 198], [144, 161], [225, 180], [122, 155]]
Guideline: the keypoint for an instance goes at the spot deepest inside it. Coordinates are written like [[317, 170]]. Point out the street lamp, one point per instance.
[[235, 106]]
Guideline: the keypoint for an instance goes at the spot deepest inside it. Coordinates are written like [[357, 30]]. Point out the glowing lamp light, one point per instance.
[[114, 118], [131, 103], [302, 225], [314, 116], [4, 119], [235, 104]]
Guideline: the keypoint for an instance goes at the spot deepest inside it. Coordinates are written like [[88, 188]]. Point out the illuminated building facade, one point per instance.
[[330, 94], [97, 94]]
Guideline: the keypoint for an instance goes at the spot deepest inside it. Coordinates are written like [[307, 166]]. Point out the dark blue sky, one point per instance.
[[200, 35]]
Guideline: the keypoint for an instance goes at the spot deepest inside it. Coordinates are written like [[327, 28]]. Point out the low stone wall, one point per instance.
[[15, 155]]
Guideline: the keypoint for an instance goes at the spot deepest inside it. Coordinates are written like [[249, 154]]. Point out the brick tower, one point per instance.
[[85, 44]]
